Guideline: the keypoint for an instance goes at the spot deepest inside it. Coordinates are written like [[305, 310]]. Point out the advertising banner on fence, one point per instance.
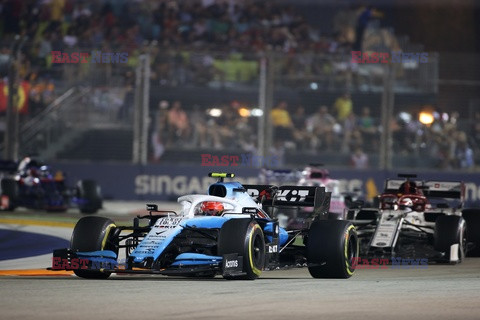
[[167, 182]]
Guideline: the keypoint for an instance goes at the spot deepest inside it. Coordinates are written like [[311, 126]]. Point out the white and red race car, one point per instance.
[[418, 219]]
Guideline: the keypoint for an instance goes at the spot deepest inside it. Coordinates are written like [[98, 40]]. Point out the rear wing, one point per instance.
[[437, 189], [291, 196], [445, 189]]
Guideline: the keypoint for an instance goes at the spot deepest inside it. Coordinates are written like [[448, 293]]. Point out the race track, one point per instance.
[[438, 292]]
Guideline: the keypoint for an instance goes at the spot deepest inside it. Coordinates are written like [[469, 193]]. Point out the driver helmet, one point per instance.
[[406, 202], [408, 187], [212, 208]]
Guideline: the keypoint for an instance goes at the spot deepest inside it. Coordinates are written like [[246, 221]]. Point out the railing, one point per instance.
[[53, 123]]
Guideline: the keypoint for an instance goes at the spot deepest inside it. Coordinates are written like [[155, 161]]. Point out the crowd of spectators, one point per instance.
[[325, 130], [209, 41], [195, 41]]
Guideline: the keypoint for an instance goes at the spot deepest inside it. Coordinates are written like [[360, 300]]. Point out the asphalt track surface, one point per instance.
[[438, 292]]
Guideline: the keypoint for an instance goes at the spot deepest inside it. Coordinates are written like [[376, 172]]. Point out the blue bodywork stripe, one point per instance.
[[196, 256], [283, 235], [102, 263], [99, 254], [189, 259]]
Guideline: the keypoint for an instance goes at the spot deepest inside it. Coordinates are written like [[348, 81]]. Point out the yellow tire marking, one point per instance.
[[104, 241], [347, 239], [250, 255]]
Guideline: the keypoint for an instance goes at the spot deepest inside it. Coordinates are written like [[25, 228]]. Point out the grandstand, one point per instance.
[[214, 53]]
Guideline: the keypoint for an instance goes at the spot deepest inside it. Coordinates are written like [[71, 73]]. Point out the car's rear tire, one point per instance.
[[92, 234], [450, 230], [472, 218], [9, 191], [90, 194], [332, 248], [245, 237]]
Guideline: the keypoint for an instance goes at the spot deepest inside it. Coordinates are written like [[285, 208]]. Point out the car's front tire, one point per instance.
[[450, 230], [92, 234], [472, 218], [245, 237]]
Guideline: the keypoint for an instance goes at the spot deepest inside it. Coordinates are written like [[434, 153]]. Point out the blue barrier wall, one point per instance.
[[162, 182]]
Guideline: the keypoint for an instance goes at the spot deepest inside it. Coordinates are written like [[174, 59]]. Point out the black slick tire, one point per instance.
[[472, 218], [332, 247], [92, 234], [245, 237], [450, 230], [89, 193]]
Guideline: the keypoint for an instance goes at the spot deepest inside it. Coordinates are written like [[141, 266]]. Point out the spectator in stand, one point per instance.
[[356, 140], [300, 133], [200, 128], [178, 124], [243, 133], [320, 126], [48, 92], [362, 22], [359, 159], [343, 107], [224, 129], [475, 129], [56, 14], [158, 143], [463, 152], [282, 122], [344, 25], [366, 125]]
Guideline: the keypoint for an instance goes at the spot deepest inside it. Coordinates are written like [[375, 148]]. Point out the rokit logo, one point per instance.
[[292, 195]]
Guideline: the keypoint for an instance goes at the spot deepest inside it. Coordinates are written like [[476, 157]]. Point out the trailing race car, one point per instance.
[[316, 176], [418, 219], [32, 185], [226, 232]]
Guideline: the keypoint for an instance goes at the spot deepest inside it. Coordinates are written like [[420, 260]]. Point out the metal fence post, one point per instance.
[[388, 96], [140, 112]]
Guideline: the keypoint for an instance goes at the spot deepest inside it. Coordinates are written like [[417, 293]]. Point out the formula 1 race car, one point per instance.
[[33, 186], [418, 219], [316, 176], [225, 232]]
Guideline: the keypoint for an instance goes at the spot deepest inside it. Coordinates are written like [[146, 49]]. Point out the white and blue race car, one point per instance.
[[226, 232]]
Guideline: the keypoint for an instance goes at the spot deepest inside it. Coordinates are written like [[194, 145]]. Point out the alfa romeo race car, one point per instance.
[[32, 185], [225, 232], [418, 219]]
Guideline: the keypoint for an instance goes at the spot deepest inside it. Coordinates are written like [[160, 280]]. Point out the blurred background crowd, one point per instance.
[[205, 59]]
